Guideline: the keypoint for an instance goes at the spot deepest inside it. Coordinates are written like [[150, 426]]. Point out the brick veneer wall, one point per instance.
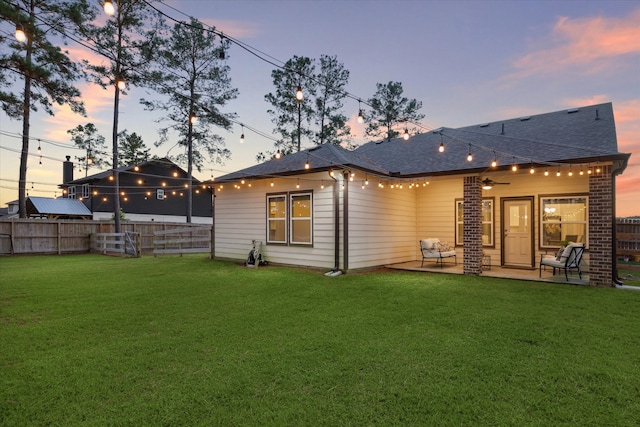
[[472, 225], [600, 228]]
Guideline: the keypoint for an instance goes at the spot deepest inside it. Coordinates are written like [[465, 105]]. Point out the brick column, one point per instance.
[[600, 228], [472, 225]]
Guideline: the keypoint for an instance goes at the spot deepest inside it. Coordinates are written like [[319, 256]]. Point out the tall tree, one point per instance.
[[318, 117], [46, 71], [289, 113], [127, 40], [132, 149], [332, 80], [388, 109], [195, 78], [88, 139]]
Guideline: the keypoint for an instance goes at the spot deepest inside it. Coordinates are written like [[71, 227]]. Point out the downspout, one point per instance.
[[614, 231], [336, 228], [345, 218]]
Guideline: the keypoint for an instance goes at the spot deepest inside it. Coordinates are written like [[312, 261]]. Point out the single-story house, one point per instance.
[[511, 190], [155, 190]]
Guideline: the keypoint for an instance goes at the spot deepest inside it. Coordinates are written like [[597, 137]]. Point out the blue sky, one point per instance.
[[468, 62]]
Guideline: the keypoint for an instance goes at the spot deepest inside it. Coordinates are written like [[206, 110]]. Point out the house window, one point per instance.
[[277, 219], [85, 191], [290, 218], [487, 222], [301, 219], [160, 194], [72, 192], [563, 219]]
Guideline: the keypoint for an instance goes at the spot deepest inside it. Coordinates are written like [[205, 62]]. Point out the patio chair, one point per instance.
[[568, 259], [434, 249]]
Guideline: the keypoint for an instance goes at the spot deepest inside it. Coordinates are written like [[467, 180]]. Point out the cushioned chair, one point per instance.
[[434, 249], [567, 259]]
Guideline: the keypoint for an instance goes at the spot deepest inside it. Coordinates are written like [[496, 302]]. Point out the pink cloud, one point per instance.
[[584, 42]]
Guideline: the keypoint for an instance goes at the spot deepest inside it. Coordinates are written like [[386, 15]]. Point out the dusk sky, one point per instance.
[[468, 62]]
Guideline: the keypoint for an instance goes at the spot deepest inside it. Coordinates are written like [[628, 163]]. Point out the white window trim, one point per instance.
[[492, 222], [292, 219], [284, 220], [585, 238]]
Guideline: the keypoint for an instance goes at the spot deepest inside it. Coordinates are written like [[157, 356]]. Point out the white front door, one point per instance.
[[517, 236]]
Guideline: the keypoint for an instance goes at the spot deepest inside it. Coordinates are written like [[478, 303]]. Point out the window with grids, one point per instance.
[[290, 218], [563, 219], [487, 222]]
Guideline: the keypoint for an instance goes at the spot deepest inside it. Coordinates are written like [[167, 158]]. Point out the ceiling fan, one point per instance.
[[487, 184]]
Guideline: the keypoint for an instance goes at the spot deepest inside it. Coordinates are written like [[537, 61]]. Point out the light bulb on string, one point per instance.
[[405, 136], [21, 36], [121, 84], [441, 147], [469, 156], [242, 136], [322, 184], [278, 154], [299, 94], [39, 147], [109, 9], [531, 169], [193, 119], [581, 170], [546, 172], [360, 115], [307, 165], [494, 163], [558, 172]]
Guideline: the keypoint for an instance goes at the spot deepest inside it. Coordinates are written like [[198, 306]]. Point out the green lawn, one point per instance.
[[96, 340]]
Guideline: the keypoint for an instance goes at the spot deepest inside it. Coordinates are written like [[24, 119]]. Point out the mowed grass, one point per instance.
[[96, 340]]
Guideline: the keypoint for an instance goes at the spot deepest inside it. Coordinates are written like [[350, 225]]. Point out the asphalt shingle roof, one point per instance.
[[579, 135]]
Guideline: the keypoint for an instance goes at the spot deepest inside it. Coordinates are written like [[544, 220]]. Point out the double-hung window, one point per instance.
[[290, 218], [487, 222]]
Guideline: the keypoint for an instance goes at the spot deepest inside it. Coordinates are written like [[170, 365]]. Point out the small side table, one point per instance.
[[486, 262]]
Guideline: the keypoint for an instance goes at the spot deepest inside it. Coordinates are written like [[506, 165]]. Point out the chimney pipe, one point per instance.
[[67, 171]]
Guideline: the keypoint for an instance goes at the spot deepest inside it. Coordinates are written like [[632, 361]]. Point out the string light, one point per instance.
[[441, 147], [242, 136], [121, 84], [531, 169], [469, 156], [406, 134], [494, 163], [20, 34], [307, 165], [570, 171], [192, 118], [298, 183], [109, 9], [514, 168], [366, 180], [278, 154], [299, 94], [322, 184], [558, 172], [39, 147], [546, 172]]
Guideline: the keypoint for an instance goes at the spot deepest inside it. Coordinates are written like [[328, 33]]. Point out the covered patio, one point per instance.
[[500, 272]]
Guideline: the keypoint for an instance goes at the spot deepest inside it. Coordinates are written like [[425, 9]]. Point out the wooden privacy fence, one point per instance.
[[127, 243], [182, 241], [628, 238], [43, 236]]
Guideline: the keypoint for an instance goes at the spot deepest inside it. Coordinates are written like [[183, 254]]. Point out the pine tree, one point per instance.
[[128, 40], [390, 108], [194, 77], [132, 149], [88, 139], [46, 71]]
